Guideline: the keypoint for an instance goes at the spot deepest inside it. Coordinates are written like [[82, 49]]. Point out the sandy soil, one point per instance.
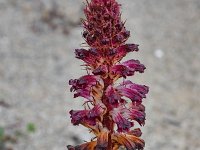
[[37, 41]]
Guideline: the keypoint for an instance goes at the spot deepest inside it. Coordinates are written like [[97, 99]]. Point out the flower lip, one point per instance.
[[91, 57], [121, 70], [83, 82], [134, 65], [87, 116], [132, 47], [83, 93], [143, 89], [132, 94], [133, 91], [120, 117], [138, 116], [136, 132], [87, 86], [78, 116], [121, 51], [81, 53]]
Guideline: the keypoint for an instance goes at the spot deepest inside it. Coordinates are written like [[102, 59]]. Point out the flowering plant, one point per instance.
[[111, 109]]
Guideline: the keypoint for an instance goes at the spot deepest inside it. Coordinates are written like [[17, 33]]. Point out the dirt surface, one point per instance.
[[37, 42]]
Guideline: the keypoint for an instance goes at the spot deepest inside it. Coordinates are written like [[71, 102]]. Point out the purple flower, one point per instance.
[[91, 57], [136, 112], [88, 117], [88, 86], [108, 104], [121, 51], [132, 91], [124, 116], [127, 68], [120, 117]]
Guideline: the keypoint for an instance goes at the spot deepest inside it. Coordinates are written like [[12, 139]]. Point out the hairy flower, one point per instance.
[[108, 105], [87, 116], [89, 87]]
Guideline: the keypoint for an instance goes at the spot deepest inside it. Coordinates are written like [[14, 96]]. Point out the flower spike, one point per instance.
[[112, 109]]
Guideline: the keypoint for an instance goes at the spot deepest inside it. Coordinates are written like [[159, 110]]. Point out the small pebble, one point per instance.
[[159, 53]]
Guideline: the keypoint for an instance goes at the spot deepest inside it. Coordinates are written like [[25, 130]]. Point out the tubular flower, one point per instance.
[[108, 105]]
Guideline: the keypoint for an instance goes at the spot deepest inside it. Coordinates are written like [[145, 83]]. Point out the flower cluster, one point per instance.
[[111, 110]]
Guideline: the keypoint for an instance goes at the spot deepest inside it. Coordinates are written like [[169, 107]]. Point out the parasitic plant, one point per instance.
[[111, 109]]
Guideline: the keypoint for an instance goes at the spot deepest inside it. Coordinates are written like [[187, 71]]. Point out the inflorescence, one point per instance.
[[111, 110]]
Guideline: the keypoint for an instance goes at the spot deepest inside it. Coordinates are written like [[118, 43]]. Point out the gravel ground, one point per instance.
[[37, 40]]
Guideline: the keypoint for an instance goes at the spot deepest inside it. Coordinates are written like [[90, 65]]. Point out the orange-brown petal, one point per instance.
[[85, 146], [102, 140], [130, 142]]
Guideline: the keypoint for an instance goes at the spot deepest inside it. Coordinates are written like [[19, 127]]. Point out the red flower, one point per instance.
[[91, 57], [107, 104], [120, 117], [121, 51], [89, 87], [87, 117], [133, 91], [127, 68]]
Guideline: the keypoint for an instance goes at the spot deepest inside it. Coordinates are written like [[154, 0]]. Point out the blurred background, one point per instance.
[[37, 42]]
